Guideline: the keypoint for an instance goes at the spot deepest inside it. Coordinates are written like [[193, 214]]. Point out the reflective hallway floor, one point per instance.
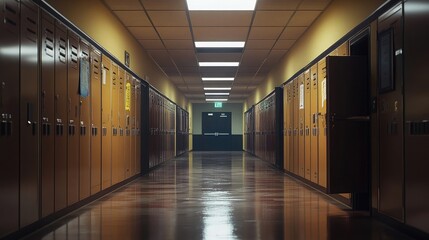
[[216, 195]]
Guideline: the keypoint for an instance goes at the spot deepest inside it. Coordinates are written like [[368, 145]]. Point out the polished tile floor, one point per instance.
[[216, 195]]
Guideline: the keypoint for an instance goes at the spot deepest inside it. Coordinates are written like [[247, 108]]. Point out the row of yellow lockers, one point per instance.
[[304, 115]]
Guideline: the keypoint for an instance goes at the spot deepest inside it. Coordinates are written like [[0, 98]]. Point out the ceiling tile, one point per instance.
[[185, 70], [124, 4], [218, 71], [184, 57], [176, 33], [254, 58], [152, 44], [293, 32], [277, 4], [260, 44], [143, 32], [219, 57], [161, 57], [164, 4], [176, 79], [179, 44], [274, 57], [265, 32], [192, 79], [283, 44], [171, 71], [303, 18], [271, 18], [220, 18], [168, 18], [220, 33], [314, 4], [133, 18]]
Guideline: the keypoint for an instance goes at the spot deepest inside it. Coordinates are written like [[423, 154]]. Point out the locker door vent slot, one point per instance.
[[10, 9], [419, 128], [9, 21]]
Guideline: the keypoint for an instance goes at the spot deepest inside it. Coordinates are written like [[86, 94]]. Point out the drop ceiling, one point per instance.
[[167, 31]]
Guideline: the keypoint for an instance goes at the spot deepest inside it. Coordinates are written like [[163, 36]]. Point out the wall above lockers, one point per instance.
[[99, 23], [340, 17]]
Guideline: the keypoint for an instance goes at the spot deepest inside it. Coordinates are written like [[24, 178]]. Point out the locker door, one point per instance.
[[47, 115], [321, 121], [314, 142], [348, 124], [9, 117], [150, 117], [117, 131], [286, 121], [296, 164], [106, 118], [290, 110], [125, 111], [73, 123], [301, 140], [138, 127], [95, 121], [84, 123], [133, 128], [29, 126], [61, 116], [307, 122]]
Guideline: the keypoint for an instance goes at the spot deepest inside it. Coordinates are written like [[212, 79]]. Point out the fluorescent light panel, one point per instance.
[[221, 5], [215, 44], [218, 79], [217, 88], [219, 64], [216, 99], [216, 94]]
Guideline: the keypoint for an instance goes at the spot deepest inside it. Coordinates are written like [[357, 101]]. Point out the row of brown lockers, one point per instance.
[[249, 130], [182, 131], [162, 113], [65, 133]]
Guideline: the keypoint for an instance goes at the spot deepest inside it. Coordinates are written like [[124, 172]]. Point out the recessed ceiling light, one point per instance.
[[217, 88], [221, 5], [216, 99], [219, 64], [218, 79], [217, 94], [214, 44]]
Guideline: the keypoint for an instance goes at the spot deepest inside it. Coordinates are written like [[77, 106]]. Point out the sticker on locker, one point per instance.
[[128, 97], [323, 92], [103, 74], [301, 96]]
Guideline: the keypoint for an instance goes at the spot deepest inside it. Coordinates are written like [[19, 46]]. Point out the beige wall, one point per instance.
[[340, 17], [98, 22]]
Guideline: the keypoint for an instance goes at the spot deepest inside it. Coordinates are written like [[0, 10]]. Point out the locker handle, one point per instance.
[[9, 128], [104, 131], [307, 131], [3, 128], [48, 129], [44, 130], [34, 128], [82, 130]]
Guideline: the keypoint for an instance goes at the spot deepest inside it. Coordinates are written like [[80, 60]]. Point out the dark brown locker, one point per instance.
[[126, 110], [321, 121], [301, 140], [29, 123], [73, 122], [391, 113], [106, 132], [138, 126], [295, 87], [307, 122], [85, 122], [96, 70], [347, 124], [9, 118], [133, 128], [47, 54], [314, 141], [117, 131], [61, 116], [416, 20]]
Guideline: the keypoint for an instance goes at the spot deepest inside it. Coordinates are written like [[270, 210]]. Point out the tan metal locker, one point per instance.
[[133, 128], [138, 127], [47, 107], [95, 121], [106, 132], [73, 122], [290, 110], [29, 117], [307, 122], [321, 122], [61, 116], [314, 142], [9, 118], [117, 130], [343, 50], [301, 140], [125, 112], [295, 133], [285, 129], [84, 124]]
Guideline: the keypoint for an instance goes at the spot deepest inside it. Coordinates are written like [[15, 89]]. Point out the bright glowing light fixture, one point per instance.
[[217, 88], [218, 64], [217, 79], [219, 44], [221, 5], [217, 94], [216, 99]]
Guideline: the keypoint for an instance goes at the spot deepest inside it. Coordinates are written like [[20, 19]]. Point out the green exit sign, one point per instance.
[[218, 104]]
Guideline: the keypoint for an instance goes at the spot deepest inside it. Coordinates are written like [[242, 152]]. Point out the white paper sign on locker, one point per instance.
[[323, 92], [301, 96]]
